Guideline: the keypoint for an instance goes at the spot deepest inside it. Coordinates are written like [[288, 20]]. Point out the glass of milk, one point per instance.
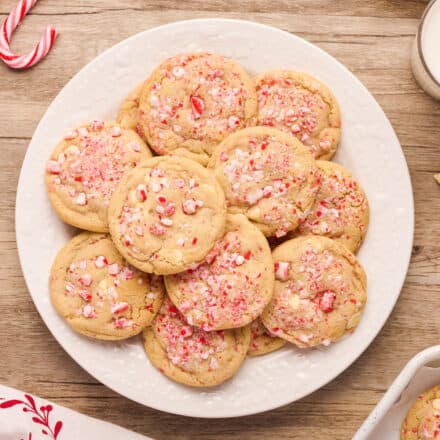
[[425, 59]]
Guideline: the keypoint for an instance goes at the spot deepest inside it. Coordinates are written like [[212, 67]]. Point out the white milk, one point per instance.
[[426, 52], [431, 40]]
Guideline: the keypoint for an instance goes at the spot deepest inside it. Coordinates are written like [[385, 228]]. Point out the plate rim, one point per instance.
[[318, 384]]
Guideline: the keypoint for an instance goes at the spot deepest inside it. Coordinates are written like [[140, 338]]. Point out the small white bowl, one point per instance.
[[420, 373]]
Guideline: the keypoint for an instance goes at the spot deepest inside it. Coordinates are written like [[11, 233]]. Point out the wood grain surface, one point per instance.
[[373, 39]]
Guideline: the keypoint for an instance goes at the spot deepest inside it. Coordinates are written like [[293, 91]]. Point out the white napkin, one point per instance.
[[26, 417]]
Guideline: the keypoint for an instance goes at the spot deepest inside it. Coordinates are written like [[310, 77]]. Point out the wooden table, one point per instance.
[[373, 39]]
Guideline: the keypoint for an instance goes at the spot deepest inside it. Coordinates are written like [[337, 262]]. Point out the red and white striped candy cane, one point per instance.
[[9, 25]]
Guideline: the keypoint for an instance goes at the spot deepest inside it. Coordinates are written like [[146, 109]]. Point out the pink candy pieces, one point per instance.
[[85, 295], [113, 269], [88, 311], [141, 192], [282, 270], [53, 167], [97, 125], [157, 229], [86, 279], [101, 261], [326, 302], [115, 131], [122, 323], [190, 206], [198, 105], [81, 199], [119, 307]]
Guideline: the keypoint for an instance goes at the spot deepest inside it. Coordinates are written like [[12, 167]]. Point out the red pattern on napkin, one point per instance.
[[39, 416]]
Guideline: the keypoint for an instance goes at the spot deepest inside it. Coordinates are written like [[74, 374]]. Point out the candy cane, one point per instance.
[[9, 25]]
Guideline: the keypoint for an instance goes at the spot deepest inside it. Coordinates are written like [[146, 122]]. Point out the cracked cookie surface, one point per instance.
[[166, 214], [299, 104], [340, 210], [320, 292], [191, 356], [267, 175], [423, 419], [98, 293], [233, 284], [85, 168], [191, 102], [262, 341]]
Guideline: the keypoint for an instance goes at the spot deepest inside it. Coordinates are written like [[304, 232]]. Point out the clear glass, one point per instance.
[[425, 58]]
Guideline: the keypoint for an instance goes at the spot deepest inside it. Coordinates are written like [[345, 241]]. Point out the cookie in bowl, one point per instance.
[[423, 419]]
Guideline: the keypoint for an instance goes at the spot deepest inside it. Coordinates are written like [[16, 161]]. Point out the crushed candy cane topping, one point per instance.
[[92, 164], [173, 200], [339, 208], [210, 103], [316, 284], [188, 347], [286, 104], [100, 292], [271, 181], [258, 331], [227, 286]]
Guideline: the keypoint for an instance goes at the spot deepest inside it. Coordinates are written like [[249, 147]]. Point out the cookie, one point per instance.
[[98, 294], [234, 283], [128, 114], [85, 168], [340, 210], [267, 175], [191, 356], [262, 342], [423, 419], [319, 294], [192, 102], [301, 105], [166, 214]]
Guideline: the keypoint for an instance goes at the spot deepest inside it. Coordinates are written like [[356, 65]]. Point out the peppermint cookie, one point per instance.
[[166, 214], [98, 293], [319, 294], [300, 105], [341, 208], [423, 419], [192, 102], [128, 114], [267, 175], [191, 356], [85, 168], [234, 283], [263, 342]]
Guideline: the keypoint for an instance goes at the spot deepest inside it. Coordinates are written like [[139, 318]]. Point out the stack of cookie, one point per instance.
[[179, 245]]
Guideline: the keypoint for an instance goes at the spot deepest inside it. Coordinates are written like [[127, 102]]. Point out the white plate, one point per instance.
[[369, 148]]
